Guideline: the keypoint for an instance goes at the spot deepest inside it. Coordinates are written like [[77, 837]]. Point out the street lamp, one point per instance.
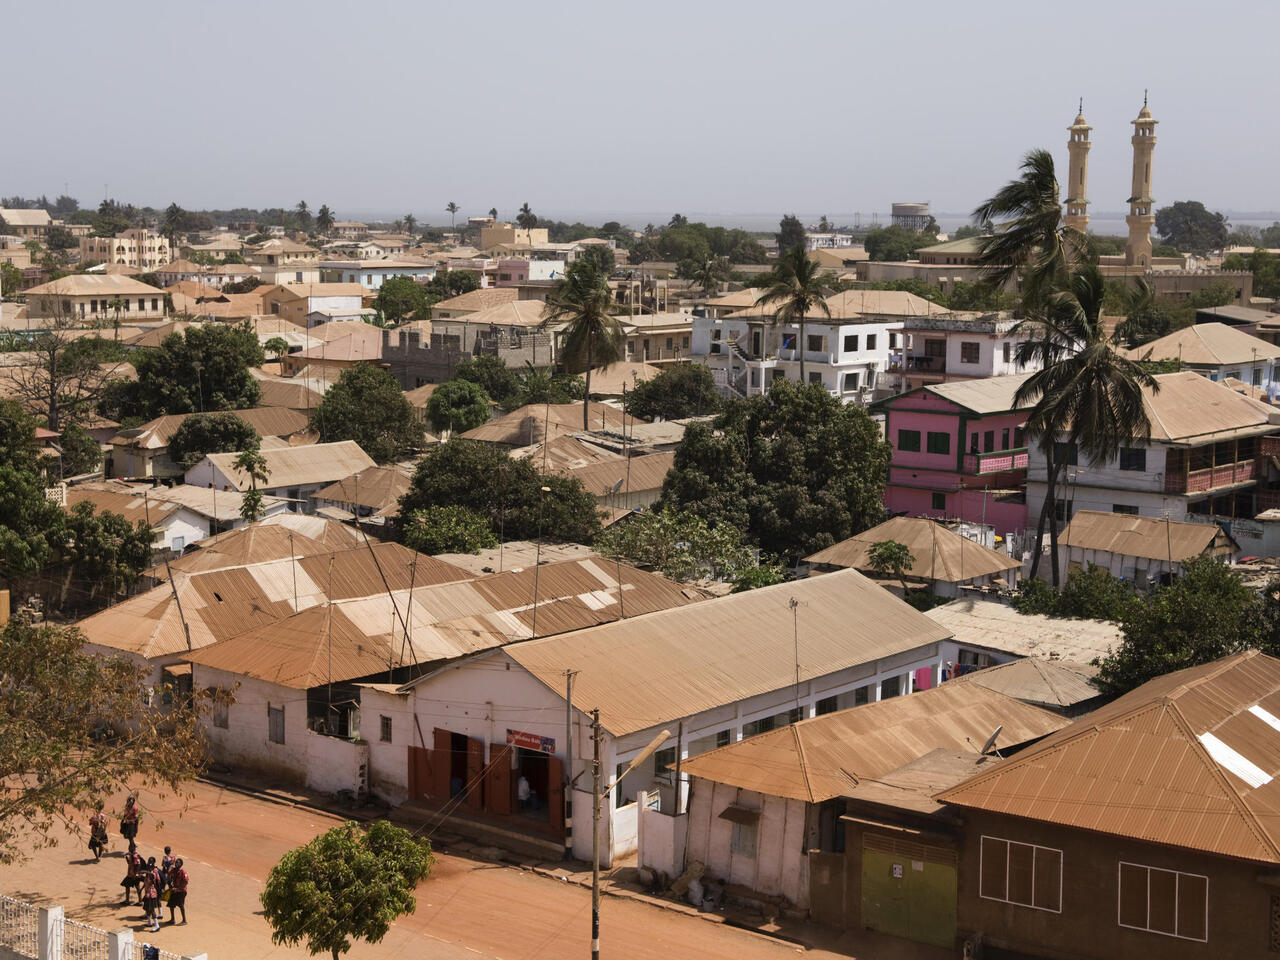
[[597, 796], [199, 382]]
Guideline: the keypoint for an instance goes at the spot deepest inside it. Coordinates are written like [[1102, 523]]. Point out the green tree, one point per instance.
[[1207, 613], [10, 277], [75, 728], [18, 447], [603, 256], [795, 469], [1091, 593], [29, 525], [278, 346], [1191, 228], [66, 373], [60, 238], [797, 288], [347, 884], [203, 433], [1024, 233], [492, 374], [506, 491], [891, 558], [367, 405], [965, 231], [791, 232], [451, 283], [254, 465], [172, 223], [680, 390], [203, 368], [81, 453], [410, 224], [525, 218], [895, 243], [1085, 393], [452, 529], [399, 298], [764, 575], [452, 209], [708, 274], [541, 386], [679, 545], [302, 215], [101, 553], [324, 218], [581, 302], [247, 285], [458, 406]]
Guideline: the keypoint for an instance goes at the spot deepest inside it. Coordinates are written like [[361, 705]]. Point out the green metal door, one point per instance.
[[909, 889]]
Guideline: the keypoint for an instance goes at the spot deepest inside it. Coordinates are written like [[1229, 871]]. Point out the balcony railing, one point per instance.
[[997, 461], [1210, 478], [899, 362]]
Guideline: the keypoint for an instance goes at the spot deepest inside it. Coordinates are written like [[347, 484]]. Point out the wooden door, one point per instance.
[[419, 773], [497, 781], [475, 774], [441, 756]]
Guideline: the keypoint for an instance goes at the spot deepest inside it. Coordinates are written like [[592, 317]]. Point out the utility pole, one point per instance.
[[595, 835]]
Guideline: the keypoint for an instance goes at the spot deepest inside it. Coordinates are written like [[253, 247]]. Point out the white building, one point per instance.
[[1208, 454], [847, 353], [371, 274], [956, 346], [294, 473], [1219, 352], [1141, 550], [710, 674]]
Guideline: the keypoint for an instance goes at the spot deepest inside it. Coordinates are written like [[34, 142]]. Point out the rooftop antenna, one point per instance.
[[1081, 110], [1144, 96], [991, 741], [794, 604]]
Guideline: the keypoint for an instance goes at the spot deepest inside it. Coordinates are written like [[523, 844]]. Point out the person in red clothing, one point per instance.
[[129, 820], [98, 833], [133, 876], [178, 881], [151, 894]]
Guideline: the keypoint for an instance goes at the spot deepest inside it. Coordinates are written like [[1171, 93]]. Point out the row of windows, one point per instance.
[[935, 441], [1131, 458], [989, 440], [1148, 898]]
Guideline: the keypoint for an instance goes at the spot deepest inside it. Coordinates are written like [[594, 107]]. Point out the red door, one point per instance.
[[498, 781], [419, 773], [555, 792], [475, 773], [440, 764]]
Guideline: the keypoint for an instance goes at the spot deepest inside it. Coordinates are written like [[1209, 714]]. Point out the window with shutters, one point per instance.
[[938, 442], [1163, 901], [275, 724], [1021, 873], [909, 440], [969, 351], [1133, 458]]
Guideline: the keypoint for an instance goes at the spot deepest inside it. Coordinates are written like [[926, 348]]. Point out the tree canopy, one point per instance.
[[791, 232], [204, 433], [452, 529], [367, 405], [506, 491], [795, 469], [347, 884], [75, 728], [895, 242], [204, 368], [679, 545], [492, 374], [400, 298], [592, 336], [1192, 228], [680, 390], [458, 406]]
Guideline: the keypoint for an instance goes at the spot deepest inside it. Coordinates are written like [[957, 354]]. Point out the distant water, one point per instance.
[[1104, 222]]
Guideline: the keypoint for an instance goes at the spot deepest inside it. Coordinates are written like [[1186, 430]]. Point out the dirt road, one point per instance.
[[466, 909]]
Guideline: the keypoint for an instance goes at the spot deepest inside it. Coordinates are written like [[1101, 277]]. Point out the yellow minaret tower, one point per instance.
[[1078, 173], [1140, 218]]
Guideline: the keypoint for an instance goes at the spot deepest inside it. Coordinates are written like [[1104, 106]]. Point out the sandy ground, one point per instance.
[[466, 909]]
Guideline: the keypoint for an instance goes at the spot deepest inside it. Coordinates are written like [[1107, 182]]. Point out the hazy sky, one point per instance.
[[630, 109]]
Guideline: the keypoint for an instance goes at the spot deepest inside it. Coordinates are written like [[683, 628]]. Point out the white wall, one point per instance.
[[779, 867], [662, 838], [185, 524], [389, 761], [244, 743], [335, 764]]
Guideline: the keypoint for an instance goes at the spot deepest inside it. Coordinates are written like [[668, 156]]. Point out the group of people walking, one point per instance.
[[157, 885]]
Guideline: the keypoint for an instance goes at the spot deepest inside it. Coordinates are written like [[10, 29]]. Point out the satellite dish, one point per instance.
[[617, 486], [991, 740]]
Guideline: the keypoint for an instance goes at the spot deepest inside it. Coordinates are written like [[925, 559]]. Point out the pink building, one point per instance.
[[958, 453]]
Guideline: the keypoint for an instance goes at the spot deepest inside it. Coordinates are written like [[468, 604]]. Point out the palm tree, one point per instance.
[[117, 304], [1027, 237], [304, 215], [397, 225], [709, 274], [410, 222], [253, 463], [451, 208], [493, 213], [173, 215], [324, 219], [1086, 392], [581, 302], [797, 289], [525, 218]]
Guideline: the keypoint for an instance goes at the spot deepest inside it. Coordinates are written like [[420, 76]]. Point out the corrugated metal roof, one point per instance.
[[334, 535], [530, 424], [1056, 683], [992, 624], [989, 395], [676, 663], [298, 466], [256, 543], [565, 453], [375, 487], [1208, 344], [937, 552], [828, 756], [645, 472], [1148, 537], [1188, 760], [516, 555], [852, 304], [268, 421], [1191, 408]]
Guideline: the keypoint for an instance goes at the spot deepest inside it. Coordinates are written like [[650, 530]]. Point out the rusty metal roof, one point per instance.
[[830, 755], [1052, 683], [297, 466], [997, 626], [375, 487], [1191, 409], [1188, 760], [530, 424], [1149, 537], [645, 472], [676, 663], [256, 543], [937, 553]]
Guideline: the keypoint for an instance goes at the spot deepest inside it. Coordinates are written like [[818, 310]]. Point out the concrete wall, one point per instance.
[[244, 743], [662, 838], [779, 867], [335, 764], [388, 760]]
